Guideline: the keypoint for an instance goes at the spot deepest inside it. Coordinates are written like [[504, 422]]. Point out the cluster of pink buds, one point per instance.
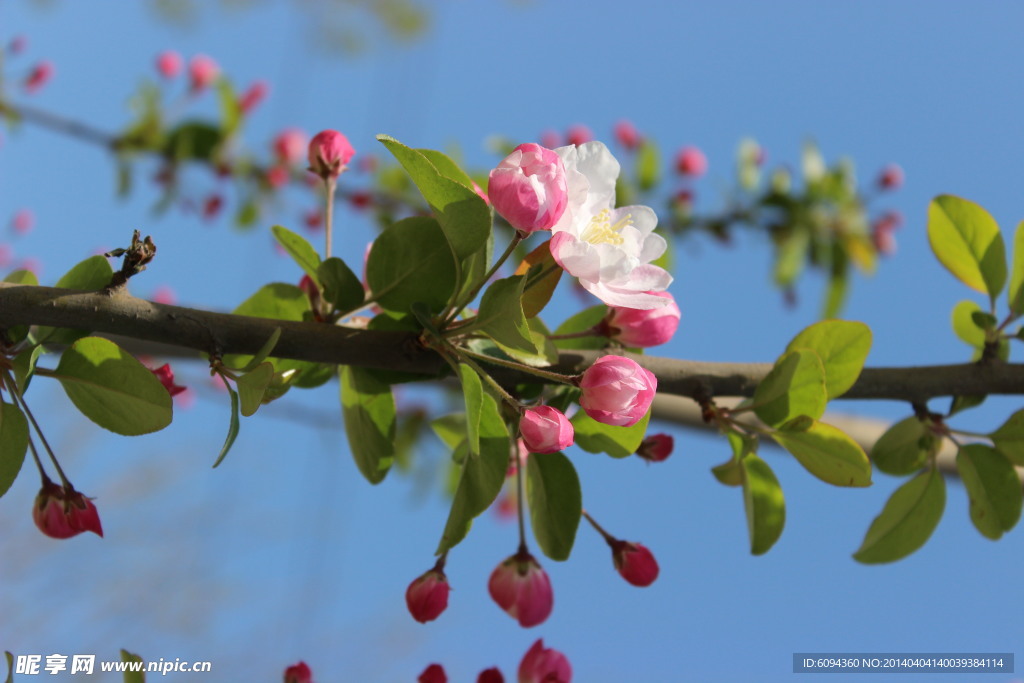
[[539, 665], [882, 232], [63, 512]]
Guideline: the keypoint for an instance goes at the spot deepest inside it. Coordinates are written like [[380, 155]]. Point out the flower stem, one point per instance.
[[331, 184], [464, 358], [516, 239], [607, 536], [553, 376], [520, 499], [16, 394]]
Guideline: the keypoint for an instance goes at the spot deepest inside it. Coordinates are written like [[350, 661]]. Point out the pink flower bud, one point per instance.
[[635, 563], [890, 178], [298, 673], [544, 665], [492, 675], [329, 152], [523, 589], [23, 222], [627, 135], [361, 199], [202, 72], [617, 391], [656, 447], [165, 374], [289, 146], [884, 241], [550, 139], [644, 328], [39, 76], [427, 596], [690, 161], [63, 512], [256, 93], [578, 134], [313, 219], [545, 430], [168, 63], [164, 295], [276, 176], [433, 674], [528, 188], [212, 206]]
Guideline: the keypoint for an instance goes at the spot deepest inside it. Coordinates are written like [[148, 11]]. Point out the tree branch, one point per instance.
[[223, 333]]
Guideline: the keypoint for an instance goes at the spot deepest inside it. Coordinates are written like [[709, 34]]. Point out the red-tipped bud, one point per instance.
[[492, 675], [168, 64], [634, 562], [433, 674], [890, 177], [545, 430], [39, 76], [63, 512], [644, 328], [522, 588], [627, 135], [544, 665], [690, 161], [578, 134], [427, 596], [298, 673], [256, 93], [165, 374], [289, 146], [329, 153], [202, 72], [656, 447], [212, 206]]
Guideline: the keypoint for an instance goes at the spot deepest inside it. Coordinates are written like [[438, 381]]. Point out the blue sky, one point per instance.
[[285, 552]]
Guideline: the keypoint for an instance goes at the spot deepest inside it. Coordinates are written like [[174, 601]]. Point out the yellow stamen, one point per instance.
[[602, 231]]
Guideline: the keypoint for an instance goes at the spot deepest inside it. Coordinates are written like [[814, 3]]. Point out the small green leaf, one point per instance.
[[411, 262], [907, 520], [984, 321], [10, 666], [597, 437], [993, 487], [842, 346], [1009, 438], [764, 504], [961, 403], [112, 389], [967, 241], [791, 256], [265, 350], [368, 407], [904, 447], [826, 452], [1016, 293], [341, 286], [446, 167], [13, 444], [794, 387], [299, 249], [22, 277], [729, 473], [555, 502], [192, 140], [964, 326], [24, 366], [133, 676], [230, 108], [501, 314], [584, 321], [92, 274], [233, 424], [648, 166], [473, 393], [252, 386], [451, 429]]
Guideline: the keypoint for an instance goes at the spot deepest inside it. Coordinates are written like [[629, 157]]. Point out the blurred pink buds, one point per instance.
[[23, 222], [627, 135], [882, 232], [578, 134], [545, 430], [890, 178], [544, 665], [617, 391], [644, 328], [329, 153], [168, 64], [522, 588], [492, 675], [433, 674], [39, 76], [289, 146], [165, 374], [634, 562], [17, 45], [427, 596], [656, 448], [528, 188], [298, 673], [256, 93], [63, 512], [690, 161], [202, 72]]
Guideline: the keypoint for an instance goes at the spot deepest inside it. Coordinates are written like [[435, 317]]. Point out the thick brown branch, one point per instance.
[[204, 331]]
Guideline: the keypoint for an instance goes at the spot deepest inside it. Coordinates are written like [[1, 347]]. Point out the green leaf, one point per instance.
[[1016, 293], [966, 240], [252, 386], [907, 520], [648, 166], [13, 444], [842, 346], [300, 250], [904, 447], [24, 366], [230, 108], [730, 472], [10, 666], [473, 392], [838, 283], [92, 274], [233, 425], [481, 478], [341, 286], [265, 350], [961, 403], [446, 167], [539, 287], [22, 277], [451, 429], [369, 411], [764, 504], [795, 386], [984, 321], [113, 389], [583, 321], [826, 452], [790, 256], [192, 140], [133, 676], [277, 300], [993, 487], [410, 262], [1009, 438], [501, 314], [964, 326], [597, 437], [555, 501], [464, 217]]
